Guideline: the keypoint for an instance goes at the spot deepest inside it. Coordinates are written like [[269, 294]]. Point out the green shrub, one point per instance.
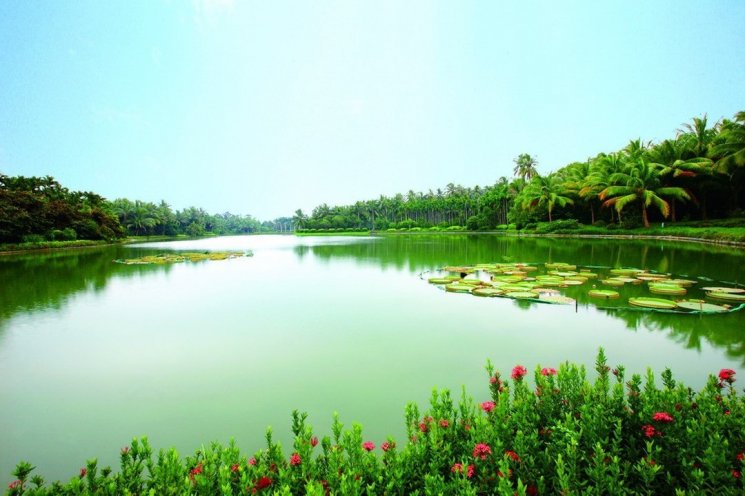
[[560, 434]]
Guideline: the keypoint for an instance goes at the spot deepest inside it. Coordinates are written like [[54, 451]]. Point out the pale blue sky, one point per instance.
[[264, 107]]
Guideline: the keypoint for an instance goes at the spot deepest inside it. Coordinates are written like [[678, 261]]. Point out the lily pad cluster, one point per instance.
[[167, 258], [548, 282]]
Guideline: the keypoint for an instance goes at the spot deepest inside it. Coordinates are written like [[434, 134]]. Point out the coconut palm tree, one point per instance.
[[545, 190], [696, 137], [640, 181], [525, 166]]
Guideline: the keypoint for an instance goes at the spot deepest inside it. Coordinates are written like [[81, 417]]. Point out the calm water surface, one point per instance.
[[93, 353]]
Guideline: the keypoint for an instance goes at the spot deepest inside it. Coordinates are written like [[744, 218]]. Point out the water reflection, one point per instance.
[[709, 263]]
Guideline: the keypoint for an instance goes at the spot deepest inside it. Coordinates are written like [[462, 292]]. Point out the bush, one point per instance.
[[33, 238], [561, 437], [559, 225]]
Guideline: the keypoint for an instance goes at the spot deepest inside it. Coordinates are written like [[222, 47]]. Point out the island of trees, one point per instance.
[[698, 174]]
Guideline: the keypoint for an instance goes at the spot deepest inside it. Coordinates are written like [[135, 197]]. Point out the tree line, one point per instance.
[[35, 209], [697, 174]]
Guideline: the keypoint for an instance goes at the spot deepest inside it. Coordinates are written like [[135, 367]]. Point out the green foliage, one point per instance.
[[559, 434]]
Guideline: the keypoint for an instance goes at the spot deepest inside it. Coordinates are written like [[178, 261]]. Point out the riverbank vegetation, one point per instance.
[[697, 175], [560, 434], [38, 212]]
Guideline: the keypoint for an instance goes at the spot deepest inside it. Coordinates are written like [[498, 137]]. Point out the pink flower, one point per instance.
[[295, 460], [423, 427], [368, 445], [662, 417], [15, 484], [493, 379], [252, 461], [314, 441], [512, 455], [386, 446], [548, 371], [456, 468], [470, 471], [481, 450], [444, 423], [125, 450], [518, 372], [727, 375], [649, 430], [488, 406]]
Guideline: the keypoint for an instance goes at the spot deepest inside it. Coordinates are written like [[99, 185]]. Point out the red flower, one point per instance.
[[15, 484], [470, 471], [423, 427], [493, 380], [234, 467], [481, 450], [512, 455], [314, 441], [262, 483], [662, 417], [368, 445], [444, 423], [83, 472], [727, 375], [509, 473], [736, 474], [518, 372], [648, 430], [488, 406], [456, 468], [386, 446], [252, 461], [195, 471], [741, 456], [125, 450], [295, 459], [531, 490], [548, 371]]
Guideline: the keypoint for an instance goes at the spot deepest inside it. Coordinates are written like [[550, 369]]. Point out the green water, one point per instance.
[[93, 353]]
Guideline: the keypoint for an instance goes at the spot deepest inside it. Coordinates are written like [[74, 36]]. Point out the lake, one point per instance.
[[93, 353]]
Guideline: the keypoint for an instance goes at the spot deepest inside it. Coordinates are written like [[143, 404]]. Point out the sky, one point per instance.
[[262, 108]]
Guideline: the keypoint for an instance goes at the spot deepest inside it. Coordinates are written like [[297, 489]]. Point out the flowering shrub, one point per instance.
[[611, 436]]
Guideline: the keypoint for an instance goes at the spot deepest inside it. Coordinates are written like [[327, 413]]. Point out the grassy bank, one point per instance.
[[9, 248], [557, 434]]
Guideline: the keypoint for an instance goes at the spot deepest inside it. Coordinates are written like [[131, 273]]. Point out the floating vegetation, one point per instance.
[[670, 289], [564, 283], [168, 258], [702, 306], [646, 302], [603, 293], [726, 295]]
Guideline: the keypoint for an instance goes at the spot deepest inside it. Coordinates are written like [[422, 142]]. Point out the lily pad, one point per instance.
[[701, 306], [671, 289], [603, 293], [658, 303], [725, 290], [459, 288], [487, 292], [625, 272], [681, 282], [521, 294], [558, 299], [613, 282], [439, 280], [721, 295]]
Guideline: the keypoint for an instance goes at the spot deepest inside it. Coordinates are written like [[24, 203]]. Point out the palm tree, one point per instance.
[[299, 219], [525, 166], [696, 137], [601, 169], [545, 190], [732, 149], [640, 182]]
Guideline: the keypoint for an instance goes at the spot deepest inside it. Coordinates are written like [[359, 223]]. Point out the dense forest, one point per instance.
[[698, 174], [38, 209]]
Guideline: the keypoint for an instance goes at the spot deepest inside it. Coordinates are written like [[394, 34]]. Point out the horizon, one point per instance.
[[265, 109]]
